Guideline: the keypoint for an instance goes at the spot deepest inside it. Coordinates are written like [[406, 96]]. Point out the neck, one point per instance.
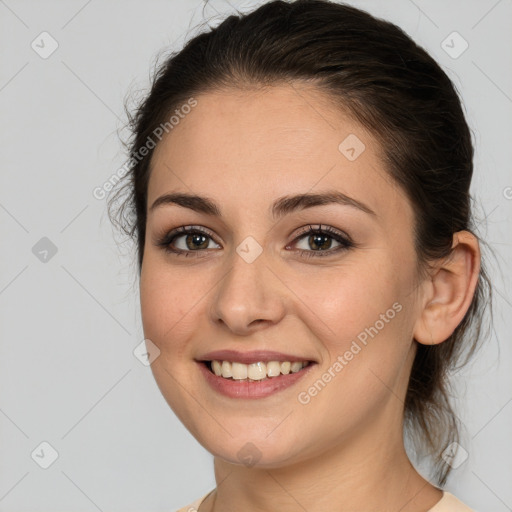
[[370, 471]]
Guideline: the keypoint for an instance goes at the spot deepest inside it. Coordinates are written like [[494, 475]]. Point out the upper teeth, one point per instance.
[[255, 371]]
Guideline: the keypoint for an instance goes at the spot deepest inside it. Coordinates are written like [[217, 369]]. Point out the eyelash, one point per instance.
[[345, 241]]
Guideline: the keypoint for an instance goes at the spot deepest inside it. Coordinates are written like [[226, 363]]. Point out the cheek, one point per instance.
[[168, 303], [365, 336], [349, 299], [361, 315]]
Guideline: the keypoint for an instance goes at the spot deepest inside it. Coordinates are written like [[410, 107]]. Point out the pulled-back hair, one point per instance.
[[375, 72]]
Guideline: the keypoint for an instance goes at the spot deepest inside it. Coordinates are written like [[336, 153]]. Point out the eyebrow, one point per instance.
[[281, 207]]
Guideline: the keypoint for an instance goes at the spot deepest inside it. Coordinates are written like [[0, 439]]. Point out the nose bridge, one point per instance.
[[247, 294]]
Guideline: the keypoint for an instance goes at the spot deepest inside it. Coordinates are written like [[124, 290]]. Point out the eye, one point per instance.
[[318, 241], [186, 240], [194, 240]]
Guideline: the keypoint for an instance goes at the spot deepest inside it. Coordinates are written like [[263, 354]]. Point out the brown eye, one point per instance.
[[318, 241], [187, 240], [195, 241]]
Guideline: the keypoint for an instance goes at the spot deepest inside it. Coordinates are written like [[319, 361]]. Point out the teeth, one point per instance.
[[255, 371], [239, 371], [216, 367], [273, 368], [296, 366], [226, 369]]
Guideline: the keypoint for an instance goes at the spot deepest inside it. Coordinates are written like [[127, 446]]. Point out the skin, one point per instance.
[[343, 450]]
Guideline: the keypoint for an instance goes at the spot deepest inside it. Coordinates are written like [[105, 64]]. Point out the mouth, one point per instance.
[[250, 375], [254, 372]]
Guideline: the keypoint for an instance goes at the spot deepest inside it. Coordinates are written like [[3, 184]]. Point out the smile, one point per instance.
[[253, 380], [255, 371]]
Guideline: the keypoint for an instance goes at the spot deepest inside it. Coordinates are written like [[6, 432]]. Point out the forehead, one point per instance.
[[270, 142]]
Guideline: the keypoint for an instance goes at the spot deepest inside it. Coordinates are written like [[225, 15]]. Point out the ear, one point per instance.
[[450, 291]]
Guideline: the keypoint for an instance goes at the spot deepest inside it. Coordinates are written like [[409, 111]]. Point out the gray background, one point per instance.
[[69, 323]]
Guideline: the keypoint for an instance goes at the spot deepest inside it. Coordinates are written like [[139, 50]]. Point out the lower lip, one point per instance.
[[257, 389]]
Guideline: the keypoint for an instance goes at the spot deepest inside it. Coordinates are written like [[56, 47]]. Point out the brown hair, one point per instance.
[[371, 68]]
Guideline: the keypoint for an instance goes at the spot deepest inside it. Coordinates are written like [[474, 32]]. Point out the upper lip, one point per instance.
[[253, 356]]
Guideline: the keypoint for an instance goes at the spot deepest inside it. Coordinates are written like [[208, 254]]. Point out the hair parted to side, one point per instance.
[[374, 71]]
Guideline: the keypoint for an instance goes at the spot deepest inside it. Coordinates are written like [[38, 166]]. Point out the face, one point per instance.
[[263, 278]]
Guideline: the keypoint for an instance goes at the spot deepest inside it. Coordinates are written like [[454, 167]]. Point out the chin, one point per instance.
[[250, 449], [251, 455]]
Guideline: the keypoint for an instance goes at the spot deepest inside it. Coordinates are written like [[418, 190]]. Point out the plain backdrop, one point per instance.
[[73, 397]]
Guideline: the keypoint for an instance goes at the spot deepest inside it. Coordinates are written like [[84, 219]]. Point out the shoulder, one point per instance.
[[194, 505], [450, 503]]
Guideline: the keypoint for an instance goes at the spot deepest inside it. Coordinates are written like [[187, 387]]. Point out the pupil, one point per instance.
[[196, 241], [317, 241]]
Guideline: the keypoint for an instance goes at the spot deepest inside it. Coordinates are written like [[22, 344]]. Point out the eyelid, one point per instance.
[[323, 229], [165, 239], [342, 238], [183, 230], [344, 241]]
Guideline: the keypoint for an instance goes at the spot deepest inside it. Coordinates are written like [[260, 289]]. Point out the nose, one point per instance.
[[250, 297]]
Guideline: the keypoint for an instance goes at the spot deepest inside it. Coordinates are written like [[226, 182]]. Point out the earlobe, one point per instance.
[[453, 285]]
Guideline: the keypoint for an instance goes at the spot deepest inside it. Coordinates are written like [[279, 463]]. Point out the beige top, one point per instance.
[[448, 503]]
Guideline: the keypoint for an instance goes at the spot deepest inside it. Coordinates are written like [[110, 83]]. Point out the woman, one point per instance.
[[299, 192]]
